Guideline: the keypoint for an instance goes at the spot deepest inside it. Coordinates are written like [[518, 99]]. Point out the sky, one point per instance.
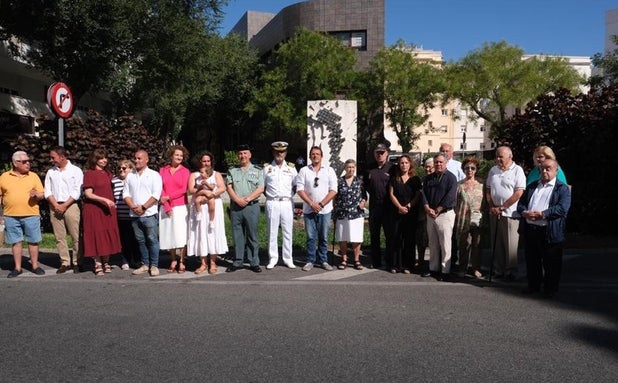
[[457, 27]]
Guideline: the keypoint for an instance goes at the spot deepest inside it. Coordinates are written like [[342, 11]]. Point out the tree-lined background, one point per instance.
[[168, 76]]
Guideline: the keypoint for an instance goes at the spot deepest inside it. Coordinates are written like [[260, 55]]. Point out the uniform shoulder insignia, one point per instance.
[[266, 164], [291, 164]]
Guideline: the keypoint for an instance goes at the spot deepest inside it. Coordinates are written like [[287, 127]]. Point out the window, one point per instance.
[[444, 112], [352, 39], [444, 129], [429, 143], [430, 124], [482, 146]]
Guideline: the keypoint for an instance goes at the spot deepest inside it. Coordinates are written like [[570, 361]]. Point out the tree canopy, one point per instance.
[[310, 66], [145, 53], [496, 76], [405, 88]]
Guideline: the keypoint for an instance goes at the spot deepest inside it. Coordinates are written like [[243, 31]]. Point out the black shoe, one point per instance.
[[14, 273], [425, 274], [63, 269], [231, 269], [255, 269], [444, 277], [548, 294], [39, 271], [77, 269], [510, 278]]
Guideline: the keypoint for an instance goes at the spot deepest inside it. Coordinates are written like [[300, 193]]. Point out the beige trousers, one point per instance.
[[67, 223]]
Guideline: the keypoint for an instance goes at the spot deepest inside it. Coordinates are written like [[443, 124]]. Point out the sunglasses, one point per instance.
[[122, 168], [470, 168], [23, 161], [315, 182]]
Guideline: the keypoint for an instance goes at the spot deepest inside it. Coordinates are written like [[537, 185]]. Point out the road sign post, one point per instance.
[[60, 100]]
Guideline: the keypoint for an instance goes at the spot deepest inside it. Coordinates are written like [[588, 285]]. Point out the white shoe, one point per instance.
[[125, 266], [308, 266], [154, 271], [290, 265], [141, 270], [271, 265]]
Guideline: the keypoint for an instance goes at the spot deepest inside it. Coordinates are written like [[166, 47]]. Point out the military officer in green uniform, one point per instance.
[[245, 184]]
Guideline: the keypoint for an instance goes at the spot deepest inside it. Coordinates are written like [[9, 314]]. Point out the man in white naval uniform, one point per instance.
[[279, 188]]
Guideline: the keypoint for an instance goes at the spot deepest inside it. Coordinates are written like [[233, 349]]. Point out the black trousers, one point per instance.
[[543, 260], [378, 220]]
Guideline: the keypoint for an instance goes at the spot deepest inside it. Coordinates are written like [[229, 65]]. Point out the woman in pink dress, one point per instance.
[[173, 210], [101, 237]]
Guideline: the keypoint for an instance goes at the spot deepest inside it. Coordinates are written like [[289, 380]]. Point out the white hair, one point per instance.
[[18, 154]]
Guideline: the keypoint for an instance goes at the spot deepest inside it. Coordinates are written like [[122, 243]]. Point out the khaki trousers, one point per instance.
[[63, 224]]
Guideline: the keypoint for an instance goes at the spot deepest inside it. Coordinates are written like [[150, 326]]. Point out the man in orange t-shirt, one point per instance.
[[20, 193]]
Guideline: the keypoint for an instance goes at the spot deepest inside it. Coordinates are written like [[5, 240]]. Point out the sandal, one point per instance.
[[98, 270], [107, 268], [358, 265], [172, 267], [181, 267], [342, 265], [201, 269]]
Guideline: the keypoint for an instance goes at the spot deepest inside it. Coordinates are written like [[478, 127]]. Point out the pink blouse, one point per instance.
[[174, 186]]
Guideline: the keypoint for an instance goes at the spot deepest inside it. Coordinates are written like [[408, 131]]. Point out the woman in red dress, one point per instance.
[[101, 237]]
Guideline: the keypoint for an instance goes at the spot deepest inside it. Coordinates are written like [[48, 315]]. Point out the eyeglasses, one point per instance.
[[379, 152], [470, 168], [315, 182], [122, 168], [23, 161]]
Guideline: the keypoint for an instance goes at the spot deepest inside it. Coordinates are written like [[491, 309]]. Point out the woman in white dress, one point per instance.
[[206, 241]]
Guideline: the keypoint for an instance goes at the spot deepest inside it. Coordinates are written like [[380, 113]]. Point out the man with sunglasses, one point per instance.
[[317, 186], [63, 187], [20, 193]]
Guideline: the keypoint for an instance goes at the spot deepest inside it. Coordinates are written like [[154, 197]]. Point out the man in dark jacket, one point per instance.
[[376, 183], [543, 208]]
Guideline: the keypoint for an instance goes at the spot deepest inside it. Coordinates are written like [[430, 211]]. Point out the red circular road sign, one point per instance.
[[60, 99]]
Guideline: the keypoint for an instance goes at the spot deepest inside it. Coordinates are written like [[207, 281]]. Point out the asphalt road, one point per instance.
[[292, 326]]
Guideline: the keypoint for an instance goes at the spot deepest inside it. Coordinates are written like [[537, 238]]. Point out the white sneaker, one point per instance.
[[308, 266], [271, 265], [326, 266], [211, 225], [125, 266], [154, 271], [290, 265], [140, 270]]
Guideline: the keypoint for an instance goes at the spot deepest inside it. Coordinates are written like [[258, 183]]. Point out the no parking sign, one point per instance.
[[60, 99]]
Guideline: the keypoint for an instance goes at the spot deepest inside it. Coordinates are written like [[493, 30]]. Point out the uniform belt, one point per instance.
[[278, 198]]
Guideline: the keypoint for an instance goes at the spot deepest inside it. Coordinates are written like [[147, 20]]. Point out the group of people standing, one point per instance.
[[444, 211], [137, 212], [133, 213]]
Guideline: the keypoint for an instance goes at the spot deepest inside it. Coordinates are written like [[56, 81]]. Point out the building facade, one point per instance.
[[359, 24]]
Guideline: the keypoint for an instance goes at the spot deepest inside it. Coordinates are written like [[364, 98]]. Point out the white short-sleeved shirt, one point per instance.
[[317, 185], [279, 181], [502, 185], [140, 187]]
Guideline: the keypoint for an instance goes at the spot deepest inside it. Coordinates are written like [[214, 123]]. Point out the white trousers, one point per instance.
[[439, 234], [280, 213]]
